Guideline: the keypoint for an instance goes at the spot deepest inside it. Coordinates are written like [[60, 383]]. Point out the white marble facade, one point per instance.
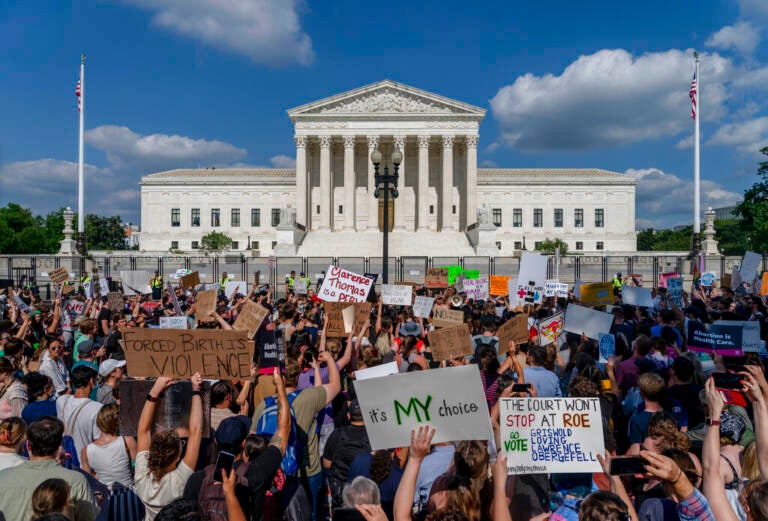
[[441, 189]]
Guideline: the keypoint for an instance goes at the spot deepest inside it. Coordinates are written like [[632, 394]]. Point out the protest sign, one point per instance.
[[206, 304], [333, 311], [250, 317], [551, 435], [498, 284], [750, 334], [450, 342], [736, 278], [396, 295], [376, 371], [476, 289], [180, 273], [607, 347], [708, 279], [173, 322], [636, 296], [444, 317], [664, 276], [764, 284], [530, 280], [513, 330], [190, 280], [214, 353], [340, 285], [597, 294], [725, 340], [59, 275], [458, 282], [135, 282], [555, 288], [453, 272], [235, 286], [725, 280], [348, 316], [635, 279], [116, 303], [436, 278], [172, 408], [675, 290], [451, 400], [270, 349], [71, 310], [300, 287], [422, 306], [175, 301], [550, 328], [749, 266], [591, 322]]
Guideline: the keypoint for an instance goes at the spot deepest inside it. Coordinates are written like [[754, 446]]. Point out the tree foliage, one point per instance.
[[549, 246], [754, 209], [104, 233], [215, 241], [665, 240]]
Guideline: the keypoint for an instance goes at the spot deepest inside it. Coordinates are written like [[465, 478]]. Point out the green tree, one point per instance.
[[20, 230], [754, 209], [665, 240], [731, 238], [104, 233], [549, 246], [215, 241]]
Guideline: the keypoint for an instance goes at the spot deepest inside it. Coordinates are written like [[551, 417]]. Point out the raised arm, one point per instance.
[[378, 317], [500, 499], [323, 333], [223, 323], [144, 431], [714, 487], [280, 438], [56, 316], [333, 386], [421, 441], [195, 424], [347, 356], [760, 408]]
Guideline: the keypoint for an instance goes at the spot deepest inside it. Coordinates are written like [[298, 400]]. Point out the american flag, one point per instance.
[[77, 93], [693, 94]]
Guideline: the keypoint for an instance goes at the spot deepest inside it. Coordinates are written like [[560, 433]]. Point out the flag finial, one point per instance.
[[696, 55], [82, 58]]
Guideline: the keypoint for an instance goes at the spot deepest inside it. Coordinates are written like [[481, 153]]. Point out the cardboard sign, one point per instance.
[[422, 306], [396, 295], [300, 287], [591, 322], [116, 303], [513, 330], [334, 310], [341, 285], [725, 280], [171, 411], [376, 371], [607, 347], [436, 278], [597, 294], [675, 290], [477, 289], [451, 400], [750, 265], [550, 328], [235, 286], [206, 304], [444, 317], [750, 334], [450, 342], [555, 288], [348, 316], [214, 353], [551, 435], [173, 323], [726, 340], [708, 279], [635, 279], [637, 296], [250, 317], [59, 275], [136, 282], [498, 284], [764, 284], [190, 281]]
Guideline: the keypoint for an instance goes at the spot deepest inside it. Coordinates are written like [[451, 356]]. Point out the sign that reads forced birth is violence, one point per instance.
[[451, 400], [341, 285], [214, 353], [551, 435]]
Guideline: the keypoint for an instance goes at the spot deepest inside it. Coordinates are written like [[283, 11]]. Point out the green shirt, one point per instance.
[[18, 483]]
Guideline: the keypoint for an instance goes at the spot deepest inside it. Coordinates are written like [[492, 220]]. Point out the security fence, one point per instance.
[[401, 269]]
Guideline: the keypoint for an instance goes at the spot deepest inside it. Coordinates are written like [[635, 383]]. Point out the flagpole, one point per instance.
[[696, 172], [81, 164]]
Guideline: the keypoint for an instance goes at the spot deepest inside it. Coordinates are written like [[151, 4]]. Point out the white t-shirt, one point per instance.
[[157, 494], [8, 460], [84, 430]]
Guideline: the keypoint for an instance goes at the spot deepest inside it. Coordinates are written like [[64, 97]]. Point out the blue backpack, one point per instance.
[[267, 426]]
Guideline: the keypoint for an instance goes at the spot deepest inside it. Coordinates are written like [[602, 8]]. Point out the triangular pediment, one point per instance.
[[386, 98]]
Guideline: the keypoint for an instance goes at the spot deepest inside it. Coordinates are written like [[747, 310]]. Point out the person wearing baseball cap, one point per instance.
[[111, 372]]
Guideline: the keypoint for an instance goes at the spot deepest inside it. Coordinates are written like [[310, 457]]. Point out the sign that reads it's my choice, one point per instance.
[[215, 354]]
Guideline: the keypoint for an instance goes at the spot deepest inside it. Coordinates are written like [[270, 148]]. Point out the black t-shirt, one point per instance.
[[195, 483], [260, 475], [688, 396], [341, 448], [104, 314]]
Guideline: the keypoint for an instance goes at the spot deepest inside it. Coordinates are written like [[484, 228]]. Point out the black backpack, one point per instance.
[[347, 449]]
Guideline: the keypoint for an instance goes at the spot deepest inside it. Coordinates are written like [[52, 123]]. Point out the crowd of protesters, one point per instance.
[[296, 434]]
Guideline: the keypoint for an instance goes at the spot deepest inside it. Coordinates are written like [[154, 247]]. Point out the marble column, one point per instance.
[[349, 182], [471, 142], [373, 203], [301, 180], [325, 182], [400, 201], [423, 184], [446, 202]]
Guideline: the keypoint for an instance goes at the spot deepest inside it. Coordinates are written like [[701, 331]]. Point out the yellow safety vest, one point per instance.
[[223, 282], [85, 279], [157, 282], [289, 281]]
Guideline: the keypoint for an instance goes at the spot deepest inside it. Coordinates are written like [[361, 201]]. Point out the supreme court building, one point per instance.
[[447, 206]]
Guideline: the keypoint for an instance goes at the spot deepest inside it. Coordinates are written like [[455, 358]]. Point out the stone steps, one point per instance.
[[369, 244]]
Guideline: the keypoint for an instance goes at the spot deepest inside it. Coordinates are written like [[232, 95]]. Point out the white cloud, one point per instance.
[[492, 147], [609, 98], [741, 36], [487, 163], [283, 161], [267, 31], [125, 147], [748, 136], [664, 199], [754, 8]]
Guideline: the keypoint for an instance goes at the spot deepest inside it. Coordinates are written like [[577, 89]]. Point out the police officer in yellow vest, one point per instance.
[[156, 283], [290, 279], [223, 280], [617, 283]]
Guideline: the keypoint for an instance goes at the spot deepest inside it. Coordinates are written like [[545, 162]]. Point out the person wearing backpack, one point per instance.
[[304, 408], [343, 445], [488, 338]]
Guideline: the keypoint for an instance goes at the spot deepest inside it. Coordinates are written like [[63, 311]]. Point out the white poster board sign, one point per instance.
[[173, 322], [342, 285], [451, 400], [300, 287], [422, 306], [135, 282], [555, 288], [637, 296], [235, 286], [476, 289], [396, 295], [551, 435], [750, 265], [591, 322], [376, 371], [530, 280]]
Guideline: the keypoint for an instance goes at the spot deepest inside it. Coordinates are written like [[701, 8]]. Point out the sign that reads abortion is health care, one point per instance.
[[340, 285], [551, 435]]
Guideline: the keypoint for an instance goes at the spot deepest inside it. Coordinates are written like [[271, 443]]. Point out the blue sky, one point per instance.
[[187, 83]]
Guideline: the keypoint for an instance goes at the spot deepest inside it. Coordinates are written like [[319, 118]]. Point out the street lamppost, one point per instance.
[[387, 182]]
